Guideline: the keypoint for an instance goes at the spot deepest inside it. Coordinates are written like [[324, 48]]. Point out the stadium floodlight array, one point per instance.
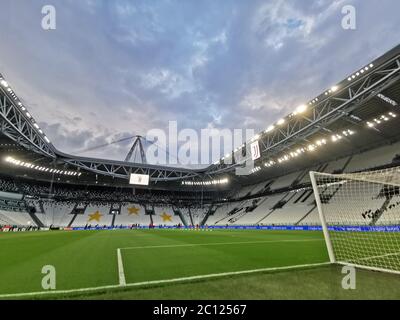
[[29, 165], [360, 72], [11, 92], [382, 118], [206, 183], [270, 128], [291, 154], [312, 147], [332, 90], [299, 110], [304, 108], [255, 169], [360, 217]]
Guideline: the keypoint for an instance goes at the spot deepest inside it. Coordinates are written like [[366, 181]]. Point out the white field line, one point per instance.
[[157, 282], [218, 244], [360, 266], [121, 274], [371, 258], [381, 256], [367, 267]]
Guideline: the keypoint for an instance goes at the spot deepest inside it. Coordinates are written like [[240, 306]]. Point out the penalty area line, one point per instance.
[[121, 273], [158, 282], [219, 244]]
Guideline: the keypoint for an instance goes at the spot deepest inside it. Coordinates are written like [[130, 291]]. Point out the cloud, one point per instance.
[[278, 22], [168, 83], [115, 68]]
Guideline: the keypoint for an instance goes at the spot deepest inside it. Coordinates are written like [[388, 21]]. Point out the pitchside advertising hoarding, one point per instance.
[[139, 179], [291, 228]]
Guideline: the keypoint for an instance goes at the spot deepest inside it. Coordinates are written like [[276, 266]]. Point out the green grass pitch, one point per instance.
[[88, 259]]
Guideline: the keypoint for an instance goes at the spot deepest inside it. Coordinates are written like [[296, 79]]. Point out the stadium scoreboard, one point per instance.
[[139, 179]]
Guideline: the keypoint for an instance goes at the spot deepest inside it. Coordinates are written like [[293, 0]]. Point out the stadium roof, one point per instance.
[[356, 113]]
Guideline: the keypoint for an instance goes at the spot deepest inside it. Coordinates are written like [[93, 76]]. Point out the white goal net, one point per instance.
[[360, 217]]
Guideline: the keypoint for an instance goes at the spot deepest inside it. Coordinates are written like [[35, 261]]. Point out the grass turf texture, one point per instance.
[[89, 259]]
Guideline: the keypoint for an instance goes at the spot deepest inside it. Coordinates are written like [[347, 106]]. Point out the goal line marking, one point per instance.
[[380, 256], [158, 282]]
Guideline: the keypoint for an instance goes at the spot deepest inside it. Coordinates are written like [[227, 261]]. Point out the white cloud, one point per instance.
[[203, 49], [279, 22], [169, 83]]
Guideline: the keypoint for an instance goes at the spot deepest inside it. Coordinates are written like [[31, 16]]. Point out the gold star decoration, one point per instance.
[[166, 217], [133, 210], [95, 216]]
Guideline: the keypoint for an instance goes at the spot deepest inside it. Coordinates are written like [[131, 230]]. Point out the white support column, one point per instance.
[[322, 218]]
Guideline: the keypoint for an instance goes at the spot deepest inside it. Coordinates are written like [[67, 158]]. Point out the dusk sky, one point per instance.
[[113, 69]]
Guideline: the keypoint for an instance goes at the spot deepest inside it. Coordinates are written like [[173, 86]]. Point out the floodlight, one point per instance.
[[281, 121], [302, 108], [270, 128]]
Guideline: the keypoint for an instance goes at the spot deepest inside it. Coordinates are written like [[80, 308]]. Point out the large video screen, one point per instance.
[[139, 179]]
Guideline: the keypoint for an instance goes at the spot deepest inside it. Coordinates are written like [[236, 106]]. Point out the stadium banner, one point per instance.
[[255, 151], [282, 228]]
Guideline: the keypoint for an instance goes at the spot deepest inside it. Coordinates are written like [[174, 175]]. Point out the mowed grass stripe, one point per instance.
[[160, 282], [89, 258], [217, 244], [167, 262]]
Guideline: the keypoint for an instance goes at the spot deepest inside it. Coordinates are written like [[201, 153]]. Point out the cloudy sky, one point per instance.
[[114, 69]]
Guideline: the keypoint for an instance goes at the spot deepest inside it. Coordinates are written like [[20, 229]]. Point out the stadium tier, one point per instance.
[[285, 200]]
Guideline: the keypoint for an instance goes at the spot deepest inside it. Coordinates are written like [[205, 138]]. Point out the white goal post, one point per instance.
[[360, 217]]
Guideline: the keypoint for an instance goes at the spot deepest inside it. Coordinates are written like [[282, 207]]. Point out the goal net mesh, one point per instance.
[[361, 212]]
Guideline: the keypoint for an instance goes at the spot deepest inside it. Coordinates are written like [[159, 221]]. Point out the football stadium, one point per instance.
[[320, 198]]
